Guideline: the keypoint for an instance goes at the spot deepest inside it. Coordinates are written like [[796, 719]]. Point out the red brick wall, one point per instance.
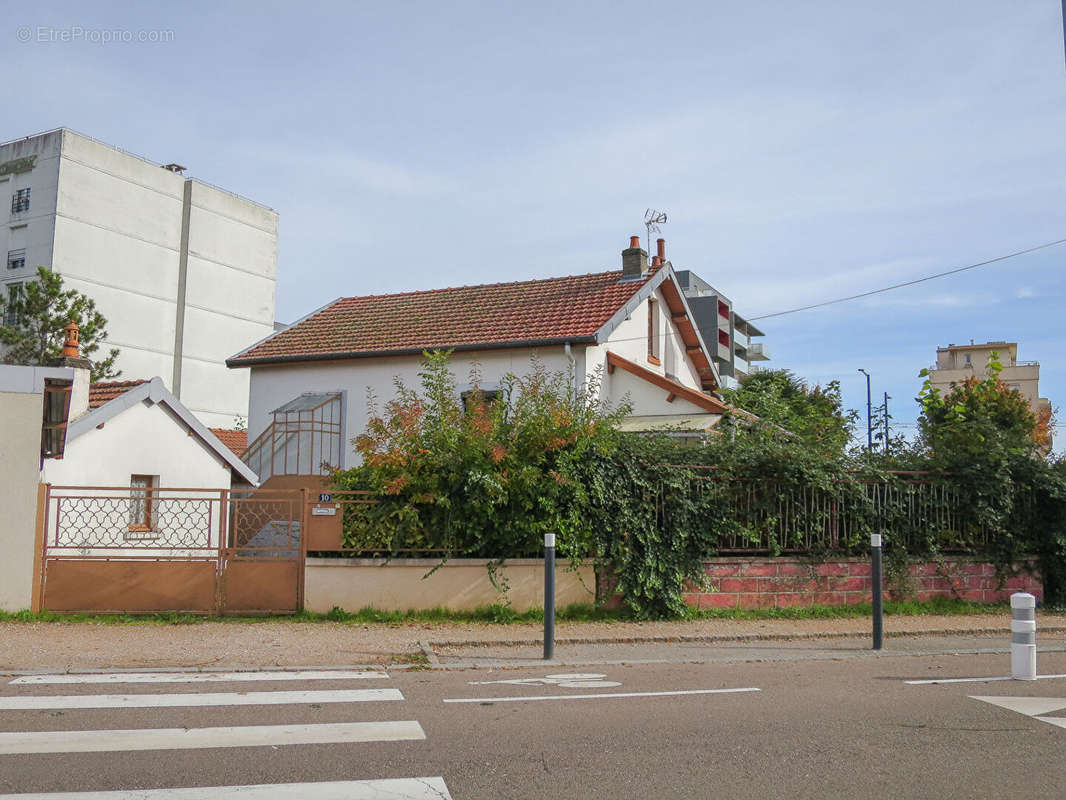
[[780, 582]]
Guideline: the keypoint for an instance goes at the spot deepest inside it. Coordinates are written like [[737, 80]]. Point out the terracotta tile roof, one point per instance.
[[466, 317], [100, 393], [237, 441]]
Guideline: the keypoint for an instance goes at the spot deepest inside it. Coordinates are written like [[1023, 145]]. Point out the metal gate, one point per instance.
[[142, 549], [262, 564]]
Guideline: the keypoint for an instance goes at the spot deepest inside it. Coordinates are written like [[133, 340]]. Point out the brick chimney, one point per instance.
[[634, 259], [70, 357], [660, 247]]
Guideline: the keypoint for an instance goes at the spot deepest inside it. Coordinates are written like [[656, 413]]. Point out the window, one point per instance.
[[54, 424], [20, 201], [14, 296], [486, 396], [16, 259], [968, 360], [653, 332], [143, 503]]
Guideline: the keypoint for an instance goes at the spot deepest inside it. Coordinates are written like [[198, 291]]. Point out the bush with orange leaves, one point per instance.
[[482, 473]]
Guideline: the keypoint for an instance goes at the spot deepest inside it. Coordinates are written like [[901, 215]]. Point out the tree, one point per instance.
[[977, 418], [813, 414], [33, 321]]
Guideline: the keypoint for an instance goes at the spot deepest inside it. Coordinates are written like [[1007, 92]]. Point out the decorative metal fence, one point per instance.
[[141, 548]]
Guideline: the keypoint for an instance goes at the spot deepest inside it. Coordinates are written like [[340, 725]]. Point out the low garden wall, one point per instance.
[[462, 584], [782, 582]]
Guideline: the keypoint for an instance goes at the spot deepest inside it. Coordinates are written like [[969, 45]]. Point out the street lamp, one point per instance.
[[869, 413]]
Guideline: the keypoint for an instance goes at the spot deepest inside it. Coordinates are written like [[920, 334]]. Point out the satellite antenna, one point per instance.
[[653, 219]]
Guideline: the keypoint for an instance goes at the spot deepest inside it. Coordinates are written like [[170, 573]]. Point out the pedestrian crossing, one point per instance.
[[201, 677], [121, 741]]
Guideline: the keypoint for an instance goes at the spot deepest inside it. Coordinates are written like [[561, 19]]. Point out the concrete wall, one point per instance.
[[230, 293], [782, 582], [460, 585], [111, 223], [20, 452]]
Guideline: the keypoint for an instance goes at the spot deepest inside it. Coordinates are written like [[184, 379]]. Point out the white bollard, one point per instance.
[[1023, 637]]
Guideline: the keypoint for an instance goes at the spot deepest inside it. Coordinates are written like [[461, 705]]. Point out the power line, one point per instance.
[[911, 283]]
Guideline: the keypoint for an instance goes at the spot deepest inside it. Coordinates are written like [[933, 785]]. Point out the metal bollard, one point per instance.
[[876, 590], [1023, 637], [549, 596]]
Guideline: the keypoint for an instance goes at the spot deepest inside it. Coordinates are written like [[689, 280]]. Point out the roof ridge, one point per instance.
[[527, 282]]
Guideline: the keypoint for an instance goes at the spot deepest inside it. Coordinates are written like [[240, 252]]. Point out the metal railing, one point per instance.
[[765, 517], [110, 521]]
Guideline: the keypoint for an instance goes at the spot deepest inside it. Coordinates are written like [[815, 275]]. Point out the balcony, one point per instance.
[[757, 351]]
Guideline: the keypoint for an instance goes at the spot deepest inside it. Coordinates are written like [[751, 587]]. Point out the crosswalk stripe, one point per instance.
[[200, 677], [388, 789], [597, 696], [34, 702], [25, 742]]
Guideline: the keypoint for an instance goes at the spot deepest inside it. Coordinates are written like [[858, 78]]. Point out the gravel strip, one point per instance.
[[279, 643]]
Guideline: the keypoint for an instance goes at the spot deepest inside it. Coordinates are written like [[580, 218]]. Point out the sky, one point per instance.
[[802, 151]]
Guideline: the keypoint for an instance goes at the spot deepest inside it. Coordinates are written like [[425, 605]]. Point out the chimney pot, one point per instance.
[[660, 246], [634, 241], [656, 261], [71, 341]]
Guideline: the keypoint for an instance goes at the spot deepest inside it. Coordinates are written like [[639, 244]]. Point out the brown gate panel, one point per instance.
[[266, 585], [132, 586]]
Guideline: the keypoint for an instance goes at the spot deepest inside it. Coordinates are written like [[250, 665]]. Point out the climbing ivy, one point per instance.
[[485, 475]]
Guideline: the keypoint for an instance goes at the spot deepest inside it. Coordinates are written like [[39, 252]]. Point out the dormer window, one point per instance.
[[653, 332]]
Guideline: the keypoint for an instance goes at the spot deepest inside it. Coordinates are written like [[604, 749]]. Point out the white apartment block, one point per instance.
[[184, 272], [727, 334]]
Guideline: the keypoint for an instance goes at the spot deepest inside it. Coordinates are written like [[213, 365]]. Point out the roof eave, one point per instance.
[[237, 361]]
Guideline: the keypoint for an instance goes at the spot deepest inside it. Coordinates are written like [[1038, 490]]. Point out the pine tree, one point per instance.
[[32, 323]]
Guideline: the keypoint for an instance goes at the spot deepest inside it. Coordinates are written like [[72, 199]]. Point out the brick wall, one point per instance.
[[780, 582]]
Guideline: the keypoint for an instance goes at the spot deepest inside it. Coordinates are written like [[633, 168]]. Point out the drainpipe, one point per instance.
[[573, 364]]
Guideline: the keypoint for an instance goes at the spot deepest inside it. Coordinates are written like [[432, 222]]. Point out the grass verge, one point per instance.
[[505, 615]]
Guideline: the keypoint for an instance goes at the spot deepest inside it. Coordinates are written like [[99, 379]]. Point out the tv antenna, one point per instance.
[[652, 220]]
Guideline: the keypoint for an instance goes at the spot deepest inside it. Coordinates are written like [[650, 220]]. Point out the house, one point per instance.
[[134, 433], [632, 328], [183, 271]]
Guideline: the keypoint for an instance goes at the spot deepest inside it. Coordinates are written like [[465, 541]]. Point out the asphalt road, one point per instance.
[[848, 727]]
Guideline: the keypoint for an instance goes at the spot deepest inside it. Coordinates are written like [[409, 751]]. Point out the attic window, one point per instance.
[[54, 424], [653, 332], [486, 396]]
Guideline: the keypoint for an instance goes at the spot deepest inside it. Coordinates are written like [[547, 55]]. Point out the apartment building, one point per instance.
[[183, 271], [956, 363], [727, 333]]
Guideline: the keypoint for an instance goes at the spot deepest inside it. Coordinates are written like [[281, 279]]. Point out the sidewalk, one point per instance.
[[282, 644]]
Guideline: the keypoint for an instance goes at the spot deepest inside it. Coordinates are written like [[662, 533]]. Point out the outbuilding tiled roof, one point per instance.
[[492, 315], [237, 441], [100, 393]]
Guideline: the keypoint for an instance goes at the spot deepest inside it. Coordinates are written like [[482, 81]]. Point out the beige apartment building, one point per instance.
[[955, 363]]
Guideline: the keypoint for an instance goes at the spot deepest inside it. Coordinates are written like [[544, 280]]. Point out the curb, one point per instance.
[[711, 638]]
